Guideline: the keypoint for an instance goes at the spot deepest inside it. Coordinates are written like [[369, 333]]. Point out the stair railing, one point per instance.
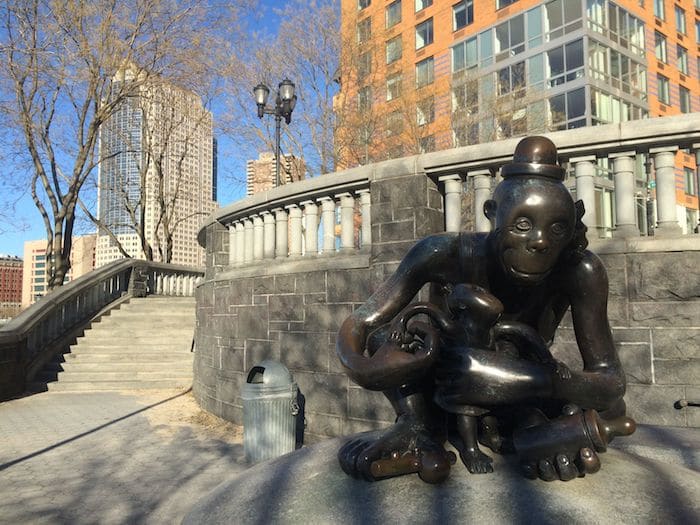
[[47, 327]]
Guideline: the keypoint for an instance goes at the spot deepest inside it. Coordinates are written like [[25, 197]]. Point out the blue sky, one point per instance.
[[25, 223]]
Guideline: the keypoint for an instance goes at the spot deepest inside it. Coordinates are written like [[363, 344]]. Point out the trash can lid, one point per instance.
[[270, 373]]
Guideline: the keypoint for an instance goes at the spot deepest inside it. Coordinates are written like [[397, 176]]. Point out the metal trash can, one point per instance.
[[269, 412]]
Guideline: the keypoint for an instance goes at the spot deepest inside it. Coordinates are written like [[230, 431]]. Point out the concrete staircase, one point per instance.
[[145, 344]]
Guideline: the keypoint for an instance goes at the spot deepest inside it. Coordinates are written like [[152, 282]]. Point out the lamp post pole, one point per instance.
[[285, 100], [278, 132]]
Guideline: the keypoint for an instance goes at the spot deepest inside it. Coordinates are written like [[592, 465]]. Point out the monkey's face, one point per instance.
[[534, 224]]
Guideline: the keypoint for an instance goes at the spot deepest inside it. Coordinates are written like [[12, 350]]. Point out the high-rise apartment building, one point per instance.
[[34, 280], [156, 174], [261, 172], [10, 286], [424, 75]]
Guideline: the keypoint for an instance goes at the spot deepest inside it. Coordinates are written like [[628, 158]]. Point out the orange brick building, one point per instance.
[[424, 75]]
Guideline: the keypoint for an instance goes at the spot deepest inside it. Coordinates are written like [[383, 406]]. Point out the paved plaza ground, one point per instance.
[[110, 457]]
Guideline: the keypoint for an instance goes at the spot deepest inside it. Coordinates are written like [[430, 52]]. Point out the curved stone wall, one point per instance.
[[291, 309]]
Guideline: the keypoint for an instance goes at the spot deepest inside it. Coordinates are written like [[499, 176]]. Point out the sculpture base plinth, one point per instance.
[[308, 486]]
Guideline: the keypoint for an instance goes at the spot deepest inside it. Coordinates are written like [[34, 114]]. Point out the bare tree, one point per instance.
[[305, 49], [60, 60]]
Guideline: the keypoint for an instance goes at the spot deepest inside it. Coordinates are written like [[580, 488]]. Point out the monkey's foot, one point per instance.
[[476, 461], [407, 447]]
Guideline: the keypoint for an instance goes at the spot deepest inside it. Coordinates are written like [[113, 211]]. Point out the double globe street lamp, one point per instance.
[[284, 105]]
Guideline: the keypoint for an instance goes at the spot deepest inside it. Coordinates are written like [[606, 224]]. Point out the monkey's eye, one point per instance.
[[558, 228], [522, 224]]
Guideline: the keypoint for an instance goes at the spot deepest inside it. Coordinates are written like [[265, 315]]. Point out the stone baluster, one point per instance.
[[366, 210], [295, 228], [268, 235], [280, 233], [311, 230], [665, 167], [240, 242], [248, 240], [347, 231], [328, 221], [482, 193], [231, 243], [625, 202], [584, 171], [258, 237], [453, 202]]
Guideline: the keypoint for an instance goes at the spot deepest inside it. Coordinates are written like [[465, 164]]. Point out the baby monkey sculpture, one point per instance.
[[473, 363]]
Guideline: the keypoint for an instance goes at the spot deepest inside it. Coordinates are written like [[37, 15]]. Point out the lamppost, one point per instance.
[[285, 101]]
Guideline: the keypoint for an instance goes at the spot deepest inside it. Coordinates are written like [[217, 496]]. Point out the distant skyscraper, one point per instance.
[[157, 169], [260, 173]]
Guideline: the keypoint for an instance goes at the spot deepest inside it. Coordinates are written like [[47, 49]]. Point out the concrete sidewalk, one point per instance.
[[110, 457]]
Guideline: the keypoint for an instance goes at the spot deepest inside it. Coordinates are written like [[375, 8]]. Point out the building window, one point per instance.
[[682, 54], [393, 14], [503, 3], [393, 86], [462, 14], [422, 4], [689, 181], [510, 38], [361, 4], [364, 65], [511, 79], [425, 111], [364, 30], [464, 55], [394, 123], [425, 72], [568, 110], [664, 90], [659, 10], [684, 100], [617, 69], [565, 63], [427, 144], [562, 17], [364, 98], [680, 20], [424, 33], [697, 31], [393, 49], [465, 99], [660, 47]]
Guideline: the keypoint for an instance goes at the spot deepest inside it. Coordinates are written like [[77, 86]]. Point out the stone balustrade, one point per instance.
[[322, 216], [612, 158], [621, 172]]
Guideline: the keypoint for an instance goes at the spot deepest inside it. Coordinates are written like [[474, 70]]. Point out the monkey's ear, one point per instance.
[[580, 209], [490, 209]]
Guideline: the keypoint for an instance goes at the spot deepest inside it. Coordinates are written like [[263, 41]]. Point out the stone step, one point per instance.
[[139, 320], [143, 357], [79, 365], [134, 338], [144, 344], [74, 386], [163, 346], [130, 375]]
